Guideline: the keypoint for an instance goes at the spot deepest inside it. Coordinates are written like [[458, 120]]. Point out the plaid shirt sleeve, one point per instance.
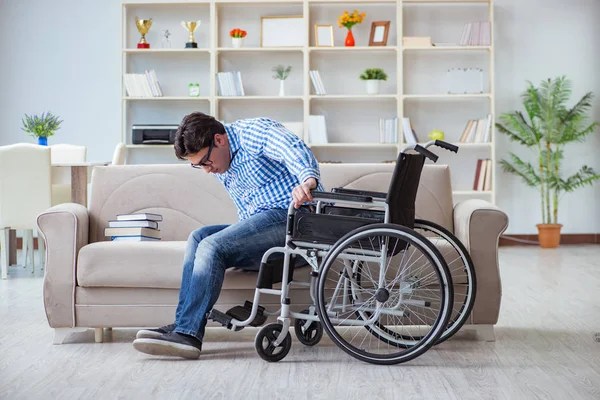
[[263, 136]]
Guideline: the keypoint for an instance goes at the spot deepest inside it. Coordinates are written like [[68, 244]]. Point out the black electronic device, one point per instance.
[[153, 134]]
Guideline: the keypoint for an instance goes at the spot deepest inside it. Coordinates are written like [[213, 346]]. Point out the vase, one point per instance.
[[549, 235], [42, 141], [372, 86], [237, 42], [349, 38], [281, 88]]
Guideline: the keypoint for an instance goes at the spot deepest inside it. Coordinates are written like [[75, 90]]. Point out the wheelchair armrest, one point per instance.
[[341, 197], [377, 195]]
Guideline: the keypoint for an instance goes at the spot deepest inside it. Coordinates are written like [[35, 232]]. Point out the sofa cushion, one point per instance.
[[148, 265]]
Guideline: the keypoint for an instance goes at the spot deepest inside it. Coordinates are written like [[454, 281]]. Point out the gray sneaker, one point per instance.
[[153, 333], [172, 344]]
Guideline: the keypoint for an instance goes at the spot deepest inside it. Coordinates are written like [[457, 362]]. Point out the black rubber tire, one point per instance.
[[312, 336], [430, 251], [454, 324], [266, 351]]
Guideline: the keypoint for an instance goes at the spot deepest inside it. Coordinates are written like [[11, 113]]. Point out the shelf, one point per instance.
[[352, 96], [446, 96], [469, 144], [251, 2], [446, 48], [354, 48], [369, 2], [444, 1], [260, 97], [156, 146], [363, 145], [166, 98], [167, 51], [164, 3], [259, 49]]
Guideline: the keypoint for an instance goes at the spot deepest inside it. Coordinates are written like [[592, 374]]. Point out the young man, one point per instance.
[[264, 167]]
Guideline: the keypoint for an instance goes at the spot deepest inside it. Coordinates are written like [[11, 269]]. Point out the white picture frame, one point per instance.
[[282, 31], [323, 35]]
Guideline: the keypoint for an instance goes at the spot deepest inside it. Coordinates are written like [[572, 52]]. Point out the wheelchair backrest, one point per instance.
[[402, 194]]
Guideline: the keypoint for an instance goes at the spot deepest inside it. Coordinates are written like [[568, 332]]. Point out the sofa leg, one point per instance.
[[485, 332], [99, 336], [60, 334]]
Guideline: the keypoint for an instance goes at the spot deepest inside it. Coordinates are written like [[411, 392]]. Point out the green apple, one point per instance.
[[436, 135]]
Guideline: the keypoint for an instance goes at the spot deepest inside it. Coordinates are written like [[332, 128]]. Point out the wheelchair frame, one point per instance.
[[312, 252]]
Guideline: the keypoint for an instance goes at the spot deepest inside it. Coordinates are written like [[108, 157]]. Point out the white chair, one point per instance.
[[25, 192], [61, 176], [120, 154]]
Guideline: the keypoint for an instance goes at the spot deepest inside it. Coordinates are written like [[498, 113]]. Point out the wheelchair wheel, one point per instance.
[[309, 333], [461, 268], [264, 343], [402, 298]]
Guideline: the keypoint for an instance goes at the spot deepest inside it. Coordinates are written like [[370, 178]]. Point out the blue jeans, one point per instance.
[[210, 251]]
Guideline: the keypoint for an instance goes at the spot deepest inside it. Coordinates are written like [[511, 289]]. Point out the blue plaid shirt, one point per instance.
[[268, 161]]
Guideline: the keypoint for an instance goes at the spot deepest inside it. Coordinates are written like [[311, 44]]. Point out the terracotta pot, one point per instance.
[[549, 235]]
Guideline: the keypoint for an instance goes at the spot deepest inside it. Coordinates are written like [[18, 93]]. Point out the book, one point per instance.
[[133, 224], [133, 239], [112, 232], [139, 217]]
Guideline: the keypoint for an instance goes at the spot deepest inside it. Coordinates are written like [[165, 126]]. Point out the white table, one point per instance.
[[79, 174]]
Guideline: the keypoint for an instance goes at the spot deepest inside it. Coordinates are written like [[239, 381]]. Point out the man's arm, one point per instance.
[[272, 139]]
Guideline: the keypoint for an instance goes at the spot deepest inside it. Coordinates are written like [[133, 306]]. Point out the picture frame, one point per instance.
[[324, 35], [271, 28], [379, 33]]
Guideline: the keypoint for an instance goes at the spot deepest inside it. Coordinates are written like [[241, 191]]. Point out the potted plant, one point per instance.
[[281, 73], [237, 37], [42, 126], [348, 21], [373, 76], [551, 126]]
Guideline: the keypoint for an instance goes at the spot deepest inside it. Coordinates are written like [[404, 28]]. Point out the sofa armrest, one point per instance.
[[478, 224], [64, 229]]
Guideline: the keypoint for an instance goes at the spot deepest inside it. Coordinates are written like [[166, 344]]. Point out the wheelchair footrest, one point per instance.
[[222, 318], [242, 313]]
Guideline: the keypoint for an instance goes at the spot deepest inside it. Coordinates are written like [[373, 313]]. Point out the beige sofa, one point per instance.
[[91, 282]]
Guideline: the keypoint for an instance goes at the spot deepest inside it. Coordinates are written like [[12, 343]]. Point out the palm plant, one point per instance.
[[551, 126]]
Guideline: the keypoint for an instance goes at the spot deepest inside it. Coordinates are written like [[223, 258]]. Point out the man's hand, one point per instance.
[[301, 193]]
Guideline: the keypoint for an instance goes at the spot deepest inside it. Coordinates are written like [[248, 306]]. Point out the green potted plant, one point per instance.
[[42, 126], [551, 126], [281, 73], [373, 76]]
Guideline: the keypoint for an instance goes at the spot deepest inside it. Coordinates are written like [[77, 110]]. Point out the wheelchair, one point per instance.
[[385, 286]]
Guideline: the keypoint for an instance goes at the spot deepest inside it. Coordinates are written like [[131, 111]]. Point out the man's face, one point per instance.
[[213, 159]]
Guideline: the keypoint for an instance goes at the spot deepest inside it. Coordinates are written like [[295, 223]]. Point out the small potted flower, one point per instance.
[[237, 37], [281, 73], [41, 127], [373, 76], [348, 21]]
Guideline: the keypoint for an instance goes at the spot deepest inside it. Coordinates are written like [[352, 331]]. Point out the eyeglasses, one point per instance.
[[205, 161]]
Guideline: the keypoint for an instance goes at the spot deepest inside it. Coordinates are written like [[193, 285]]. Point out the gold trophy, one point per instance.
[[191, 27], [143, 26]]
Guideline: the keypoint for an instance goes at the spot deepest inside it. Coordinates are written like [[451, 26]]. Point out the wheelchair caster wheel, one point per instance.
[[264, 343], [308, 336]]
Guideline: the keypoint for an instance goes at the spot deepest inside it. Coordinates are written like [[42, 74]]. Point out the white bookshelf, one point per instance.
[[414, 88]]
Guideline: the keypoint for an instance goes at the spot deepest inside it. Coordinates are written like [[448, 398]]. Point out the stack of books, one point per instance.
[[315, 77], [230, 84], [477, 131], [135, 227], [483, 175], [388, 130], [142, 85]]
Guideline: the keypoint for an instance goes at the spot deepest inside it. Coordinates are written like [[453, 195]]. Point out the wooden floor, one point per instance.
[[545, 348]]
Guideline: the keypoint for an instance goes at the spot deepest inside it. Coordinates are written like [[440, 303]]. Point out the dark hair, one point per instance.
[[196, 132]]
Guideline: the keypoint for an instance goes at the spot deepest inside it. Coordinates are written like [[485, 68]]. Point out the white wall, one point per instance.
[[51, 53]]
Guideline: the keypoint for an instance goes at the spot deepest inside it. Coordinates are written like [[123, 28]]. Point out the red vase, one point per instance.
[[349, 38]]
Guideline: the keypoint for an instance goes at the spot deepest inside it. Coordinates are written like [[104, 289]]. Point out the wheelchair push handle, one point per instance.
[[426, 153], [446, 145]]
